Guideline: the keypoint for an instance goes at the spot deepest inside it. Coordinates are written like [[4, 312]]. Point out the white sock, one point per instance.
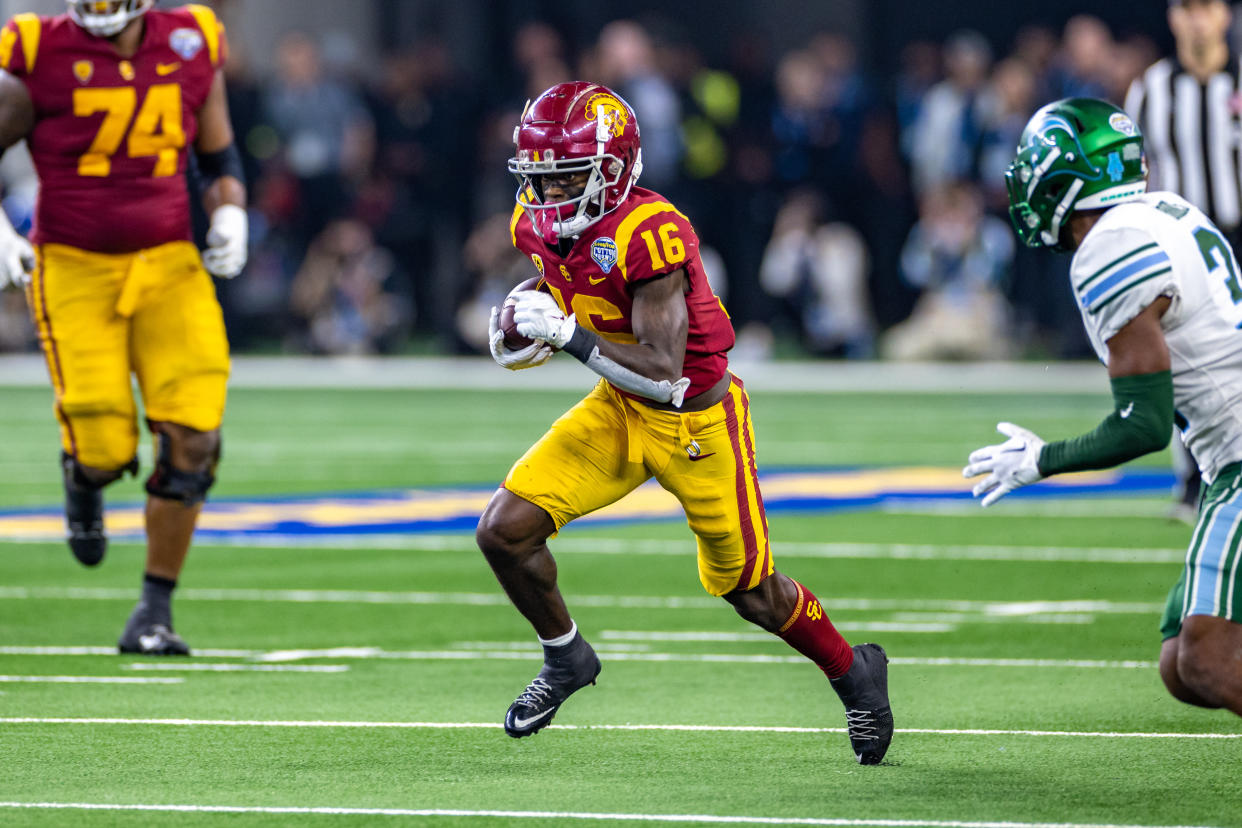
[[561, 640]]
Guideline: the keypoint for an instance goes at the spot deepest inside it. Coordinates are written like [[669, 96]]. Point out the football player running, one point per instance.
[[1159, 291], [626, 294], [109, 96]]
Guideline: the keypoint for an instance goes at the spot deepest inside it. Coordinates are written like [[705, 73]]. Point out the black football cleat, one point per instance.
[[83, 517], [151, 639], [864, 691], [572, 668]]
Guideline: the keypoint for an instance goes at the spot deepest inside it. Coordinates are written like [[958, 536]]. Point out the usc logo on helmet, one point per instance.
[[611, 109]]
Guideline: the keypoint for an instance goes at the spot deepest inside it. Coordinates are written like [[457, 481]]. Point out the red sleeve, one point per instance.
[[653, 240]]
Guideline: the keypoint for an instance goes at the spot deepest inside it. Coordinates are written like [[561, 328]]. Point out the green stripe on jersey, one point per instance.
[[1113, 264], [1126, 287]]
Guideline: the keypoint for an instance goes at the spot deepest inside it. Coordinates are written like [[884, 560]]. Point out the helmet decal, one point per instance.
[[1114, 169], [610, 112], [1121, 122]]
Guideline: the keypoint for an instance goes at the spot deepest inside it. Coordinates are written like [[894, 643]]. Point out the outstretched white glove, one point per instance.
[[538, 316], [1009, 465], [532, 355], [17, 258], [227, 241]]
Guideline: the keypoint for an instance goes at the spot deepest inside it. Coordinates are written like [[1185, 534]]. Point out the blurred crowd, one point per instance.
[[842, 214]]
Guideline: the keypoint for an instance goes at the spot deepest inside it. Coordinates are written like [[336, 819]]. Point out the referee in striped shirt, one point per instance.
[[1189, 108]]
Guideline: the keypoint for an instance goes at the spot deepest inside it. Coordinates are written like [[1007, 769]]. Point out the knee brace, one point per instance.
[[77, 478], [171, 483]]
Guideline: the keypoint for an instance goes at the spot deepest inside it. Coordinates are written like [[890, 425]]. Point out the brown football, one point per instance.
[[514, 341]]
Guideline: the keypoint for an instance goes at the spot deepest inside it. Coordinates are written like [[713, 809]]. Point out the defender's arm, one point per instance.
[[1141, 421], [1142, 418]]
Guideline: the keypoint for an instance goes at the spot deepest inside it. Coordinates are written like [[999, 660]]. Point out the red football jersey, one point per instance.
[[644, 237], [110, 135]]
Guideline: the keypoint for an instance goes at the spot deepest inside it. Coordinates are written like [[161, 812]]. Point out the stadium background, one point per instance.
[[375, 135]]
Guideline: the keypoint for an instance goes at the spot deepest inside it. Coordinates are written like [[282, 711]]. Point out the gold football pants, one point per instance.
[[103, 318], [608, 445]]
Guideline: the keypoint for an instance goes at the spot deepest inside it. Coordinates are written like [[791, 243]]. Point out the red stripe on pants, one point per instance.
[[743, 501]]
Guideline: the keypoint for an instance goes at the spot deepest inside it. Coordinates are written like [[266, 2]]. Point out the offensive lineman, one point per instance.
[[1161, 299], [108, 97], [629, 298]]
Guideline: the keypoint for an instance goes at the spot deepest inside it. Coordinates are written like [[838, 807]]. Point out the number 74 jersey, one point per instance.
[[1161, 245], [643, 238], [110, 135]]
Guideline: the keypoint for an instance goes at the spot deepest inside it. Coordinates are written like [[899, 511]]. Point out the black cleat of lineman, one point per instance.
[[151, 639], [864, 691], [565, 670]]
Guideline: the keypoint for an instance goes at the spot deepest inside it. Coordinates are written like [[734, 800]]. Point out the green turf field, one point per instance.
[[363, 682]]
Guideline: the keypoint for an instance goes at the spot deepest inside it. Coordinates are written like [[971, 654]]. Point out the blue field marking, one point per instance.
[[407, 511]]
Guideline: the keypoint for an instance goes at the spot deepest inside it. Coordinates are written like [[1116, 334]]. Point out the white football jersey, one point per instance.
[[1161, 245]]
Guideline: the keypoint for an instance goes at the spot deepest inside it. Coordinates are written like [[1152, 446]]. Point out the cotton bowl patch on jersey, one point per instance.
[[604, 252], [185, 42]]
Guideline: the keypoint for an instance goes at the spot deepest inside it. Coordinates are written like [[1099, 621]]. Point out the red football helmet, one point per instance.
[[575, 127]]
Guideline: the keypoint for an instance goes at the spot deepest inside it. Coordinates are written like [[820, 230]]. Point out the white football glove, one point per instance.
[[1009, 465], [17, 258], [538, 316], [227, 241], [532, 355]]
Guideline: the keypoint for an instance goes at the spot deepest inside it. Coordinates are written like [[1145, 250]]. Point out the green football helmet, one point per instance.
[[1075, 154]]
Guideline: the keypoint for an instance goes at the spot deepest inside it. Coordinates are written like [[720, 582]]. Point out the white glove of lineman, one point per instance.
[[538, 316], [227, 241], [1009, 465], [532, 355], [17, 258]]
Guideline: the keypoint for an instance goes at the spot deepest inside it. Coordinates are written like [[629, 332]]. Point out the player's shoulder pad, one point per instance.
[[652, 238], [19, 43], [212, 30], [1117, 256]]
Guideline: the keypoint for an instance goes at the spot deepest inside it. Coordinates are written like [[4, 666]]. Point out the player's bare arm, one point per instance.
[[1139, 347], [642, 369], [16, 110], [660, 324], [224, 191], [215, 135], [17, 258]]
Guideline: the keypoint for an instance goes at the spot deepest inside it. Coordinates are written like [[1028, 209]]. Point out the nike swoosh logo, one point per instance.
[[521, 723], [697, 458], [167, 68], [1125, 412], [148, 642], [595, 281]]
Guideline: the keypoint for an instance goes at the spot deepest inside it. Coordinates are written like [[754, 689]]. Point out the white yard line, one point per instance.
[[347, 596], [88, 680], [519, 651], [591, 816], [701, 819], [182, 666], [675, 728], [681, 548]]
